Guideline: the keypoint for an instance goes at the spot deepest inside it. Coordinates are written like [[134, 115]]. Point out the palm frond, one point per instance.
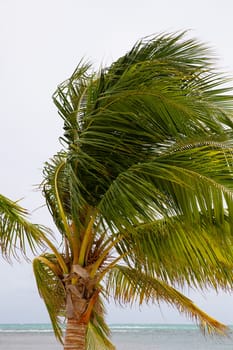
[[70, 99], [204, 178], [96, 340], [63, 191], [130, 285], [51, 290], [185, 182], [16, 232], [56, 191], [197, 254], [98, 332], [181, 53]]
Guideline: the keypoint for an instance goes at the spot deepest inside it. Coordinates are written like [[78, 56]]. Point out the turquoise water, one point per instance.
[[124, 336]]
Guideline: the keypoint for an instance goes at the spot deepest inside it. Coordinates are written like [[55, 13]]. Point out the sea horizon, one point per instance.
[[130, 336], [116, 326]]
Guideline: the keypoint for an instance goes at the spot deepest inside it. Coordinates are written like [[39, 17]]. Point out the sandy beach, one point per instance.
[[28, 341]]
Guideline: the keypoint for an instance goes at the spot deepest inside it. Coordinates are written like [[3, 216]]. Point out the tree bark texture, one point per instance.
[[75, 337]]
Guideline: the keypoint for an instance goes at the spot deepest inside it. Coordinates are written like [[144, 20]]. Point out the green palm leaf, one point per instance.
[[54, 188], [98, 332], [96, 340], [187, 182], [16, 232], [131, 285], [196, 254], [48, 279]]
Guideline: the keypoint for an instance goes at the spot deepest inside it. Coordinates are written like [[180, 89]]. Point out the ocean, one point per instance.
[[124, 336]]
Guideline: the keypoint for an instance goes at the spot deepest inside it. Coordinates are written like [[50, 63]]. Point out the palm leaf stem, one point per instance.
[[75, 244], [57, 254], [60, 207], [81, 98], [86, 240]]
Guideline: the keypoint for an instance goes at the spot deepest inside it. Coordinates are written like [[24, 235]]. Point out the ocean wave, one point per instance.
[[132, 327]]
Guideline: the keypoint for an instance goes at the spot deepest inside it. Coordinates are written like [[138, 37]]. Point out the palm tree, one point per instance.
[[142, 192], [17, 233]]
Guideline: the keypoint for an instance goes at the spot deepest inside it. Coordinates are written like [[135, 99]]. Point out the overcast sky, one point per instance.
[[41, 42]]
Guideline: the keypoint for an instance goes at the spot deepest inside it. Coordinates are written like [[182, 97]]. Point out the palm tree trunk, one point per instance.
[[75, 338]]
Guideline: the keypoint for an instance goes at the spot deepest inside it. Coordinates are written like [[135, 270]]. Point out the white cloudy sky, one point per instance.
[[41, 43]]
